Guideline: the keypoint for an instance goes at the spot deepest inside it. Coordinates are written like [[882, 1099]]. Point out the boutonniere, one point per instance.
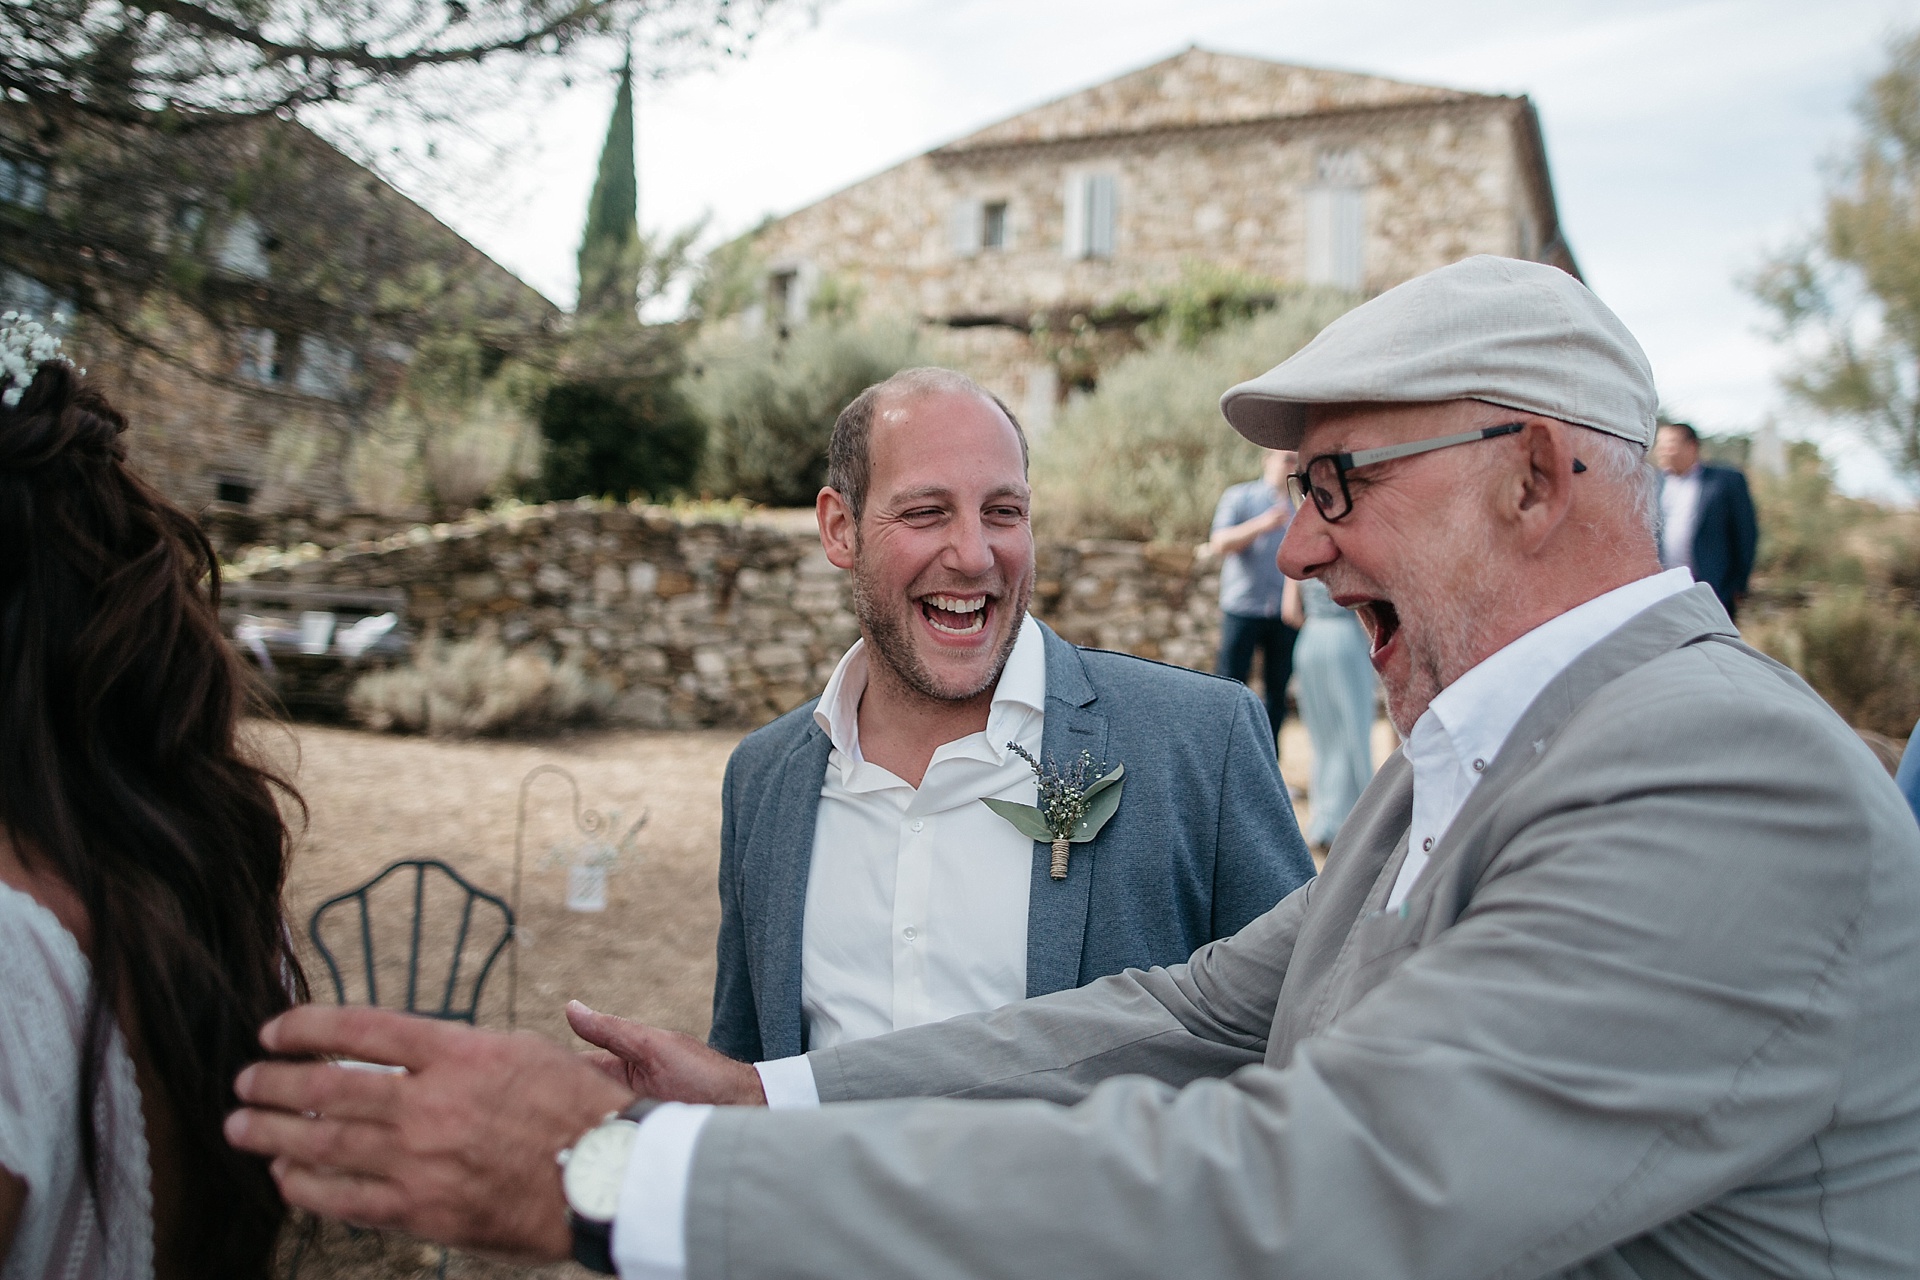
[[1075, 802]]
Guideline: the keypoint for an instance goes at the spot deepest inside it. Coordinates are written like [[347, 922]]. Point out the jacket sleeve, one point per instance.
[[736, 1022], [1744, 534], [1207, 1017], [1259, 854]]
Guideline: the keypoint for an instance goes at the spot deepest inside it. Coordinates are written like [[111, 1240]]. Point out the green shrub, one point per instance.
[[475, 687], [627, 439], [769, 403], [1146, 456], [1861, 653]]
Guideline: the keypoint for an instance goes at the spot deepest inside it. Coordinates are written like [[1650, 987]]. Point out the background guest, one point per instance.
[[1336, 701], [1247, 528], [141, 862], [1707, 521]]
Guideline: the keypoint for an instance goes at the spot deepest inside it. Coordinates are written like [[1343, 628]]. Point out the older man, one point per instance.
[[1614, 971], [864, 887]]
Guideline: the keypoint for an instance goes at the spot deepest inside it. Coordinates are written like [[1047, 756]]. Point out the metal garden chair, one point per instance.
[[465, 961]]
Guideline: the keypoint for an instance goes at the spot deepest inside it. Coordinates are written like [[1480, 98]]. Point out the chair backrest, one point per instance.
[[419, 942]]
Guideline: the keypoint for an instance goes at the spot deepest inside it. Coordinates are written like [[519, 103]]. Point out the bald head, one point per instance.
[[850, 451]]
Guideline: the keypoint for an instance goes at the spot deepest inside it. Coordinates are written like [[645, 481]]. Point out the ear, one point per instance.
[[1544, 493], [839, 534]]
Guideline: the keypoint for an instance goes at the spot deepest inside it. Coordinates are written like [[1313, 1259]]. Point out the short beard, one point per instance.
[[888, 636], [1451, 630]]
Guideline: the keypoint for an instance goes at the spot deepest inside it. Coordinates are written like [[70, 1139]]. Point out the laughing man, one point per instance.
[[864, 887]]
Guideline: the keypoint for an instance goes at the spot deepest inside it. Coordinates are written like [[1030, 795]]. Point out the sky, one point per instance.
[[1686, 139]]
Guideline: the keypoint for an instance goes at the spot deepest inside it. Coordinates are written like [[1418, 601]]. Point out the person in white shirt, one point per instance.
[[1614, 971], [864, 887]]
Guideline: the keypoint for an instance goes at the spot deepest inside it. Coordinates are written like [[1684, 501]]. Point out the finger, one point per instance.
[[363, 1202], [346, 1146], [355, 1031], [321, 1087], [610, 1065], [629, 1040]]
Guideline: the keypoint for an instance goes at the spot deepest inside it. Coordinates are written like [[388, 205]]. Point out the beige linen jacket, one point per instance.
[[1652, 1010]]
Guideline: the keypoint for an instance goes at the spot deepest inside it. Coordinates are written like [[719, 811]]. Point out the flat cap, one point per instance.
[[1522, 335]]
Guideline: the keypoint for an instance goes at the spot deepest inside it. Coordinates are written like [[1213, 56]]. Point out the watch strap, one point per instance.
[[593, 1241]]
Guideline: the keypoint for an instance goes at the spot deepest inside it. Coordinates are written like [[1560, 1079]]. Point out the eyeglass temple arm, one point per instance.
[[1386, 453]]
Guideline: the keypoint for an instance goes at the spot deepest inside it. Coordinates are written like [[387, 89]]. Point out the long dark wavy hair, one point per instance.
[[122, 773]]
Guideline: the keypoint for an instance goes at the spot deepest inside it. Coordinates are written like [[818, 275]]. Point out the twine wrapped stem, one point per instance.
[[1059, 870]]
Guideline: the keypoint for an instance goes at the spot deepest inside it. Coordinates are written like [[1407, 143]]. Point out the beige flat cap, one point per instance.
[[1521, 335]]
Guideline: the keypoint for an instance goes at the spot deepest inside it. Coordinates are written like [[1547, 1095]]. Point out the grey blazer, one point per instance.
[[1652, 1010], [1203, 842]]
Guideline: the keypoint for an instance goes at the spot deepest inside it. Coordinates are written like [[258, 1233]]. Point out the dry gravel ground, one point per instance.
[[374, 798]]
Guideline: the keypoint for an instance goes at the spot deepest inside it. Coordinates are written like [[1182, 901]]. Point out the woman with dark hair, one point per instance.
[[142, 857]]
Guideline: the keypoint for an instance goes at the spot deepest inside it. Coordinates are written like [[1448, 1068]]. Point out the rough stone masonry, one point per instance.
[[703, 622]]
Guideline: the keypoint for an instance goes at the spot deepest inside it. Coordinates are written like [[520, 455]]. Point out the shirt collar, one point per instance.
[[1477, 711], [1023, 685]]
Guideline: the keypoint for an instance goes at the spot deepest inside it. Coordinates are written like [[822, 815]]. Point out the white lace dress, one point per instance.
[[43, 1000]]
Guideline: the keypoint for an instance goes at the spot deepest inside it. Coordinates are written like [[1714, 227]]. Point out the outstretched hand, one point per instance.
[[458, 1148], [663, 1064]]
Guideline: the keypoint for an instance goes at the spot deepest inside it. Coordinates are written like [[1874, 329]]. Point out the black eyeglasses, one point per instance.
[[1324, 479]]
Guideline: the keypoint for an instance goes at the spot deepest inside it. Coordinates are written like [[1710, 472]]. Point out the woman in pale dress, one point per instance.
[[1335, 684], [141, 863]]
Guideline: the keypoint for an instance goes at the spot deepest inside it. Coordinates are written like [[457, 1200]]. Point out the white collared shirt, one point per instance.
[[1679, 517], [917, 897], [1467, 722], [916, 911]]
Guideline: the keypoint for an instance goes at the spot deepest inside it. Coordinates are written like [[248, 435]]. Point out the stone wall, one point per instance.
[[701, 623]]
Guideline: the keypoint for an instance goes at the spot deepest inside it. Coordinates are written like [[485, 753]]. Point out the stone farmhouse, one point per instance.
[[1071, 209], [249, 295]]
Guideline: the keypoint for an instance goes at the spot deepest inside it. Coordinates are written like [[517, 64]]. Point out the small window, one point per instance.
[[243, 250], [23, 182], [1092, 201], [993, 225], [237, 492], [1336, 222], [326, 368], [260, 358], [782, 289]]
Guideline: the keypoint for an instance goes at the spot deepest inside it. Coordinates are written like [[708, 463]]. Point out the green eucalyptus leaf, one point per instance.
[[1102, 784], [1030, 821], [1098, 812]]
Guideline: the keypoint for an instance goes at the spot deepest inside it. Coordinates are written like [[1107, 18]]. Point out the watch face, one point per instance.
[[596, 1167]]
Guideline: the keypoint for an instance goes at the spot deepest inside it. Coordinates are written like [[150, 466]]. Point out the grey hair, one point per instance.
[[1625, 464], [849, 460]]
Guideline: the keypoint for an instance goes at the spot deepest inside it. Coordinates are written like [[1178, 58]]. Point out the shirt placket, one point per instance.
[[913, 884]]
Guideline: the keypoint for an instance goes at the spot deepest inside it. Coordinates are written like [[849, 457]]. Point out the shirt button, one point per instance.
[[909, 933], [1479, 765], [1426, 846], [915, 825]]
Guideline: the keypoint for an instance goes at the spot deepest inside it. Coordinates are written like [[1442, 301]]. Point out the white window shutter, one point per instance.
[[1100, 215], [964, 227], [1074, 200], [1336, 233]]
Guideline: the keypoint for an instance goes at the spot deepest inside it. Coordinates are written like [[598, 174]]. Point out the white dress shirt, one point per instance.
[[1467, 722], [1679, 517], [916, 912], [917, 897]]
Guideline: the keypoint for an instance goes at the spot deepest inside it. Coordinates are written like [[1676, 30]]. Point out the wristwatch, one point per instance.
[[591, 1173]]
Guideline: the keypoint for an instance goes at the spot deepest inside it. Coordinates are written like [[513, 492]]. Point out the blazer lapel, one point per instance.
[[1694, 614], [1057, 909], [780, 859]]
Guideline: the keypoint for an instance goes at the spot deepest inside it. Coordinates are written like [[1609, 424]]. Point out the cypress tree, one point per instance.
[[610, 245]]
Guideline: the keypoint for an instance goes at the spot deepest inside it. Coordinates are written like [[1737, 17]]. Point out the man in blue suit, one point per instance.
[[864, 887], [1706, 516]]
